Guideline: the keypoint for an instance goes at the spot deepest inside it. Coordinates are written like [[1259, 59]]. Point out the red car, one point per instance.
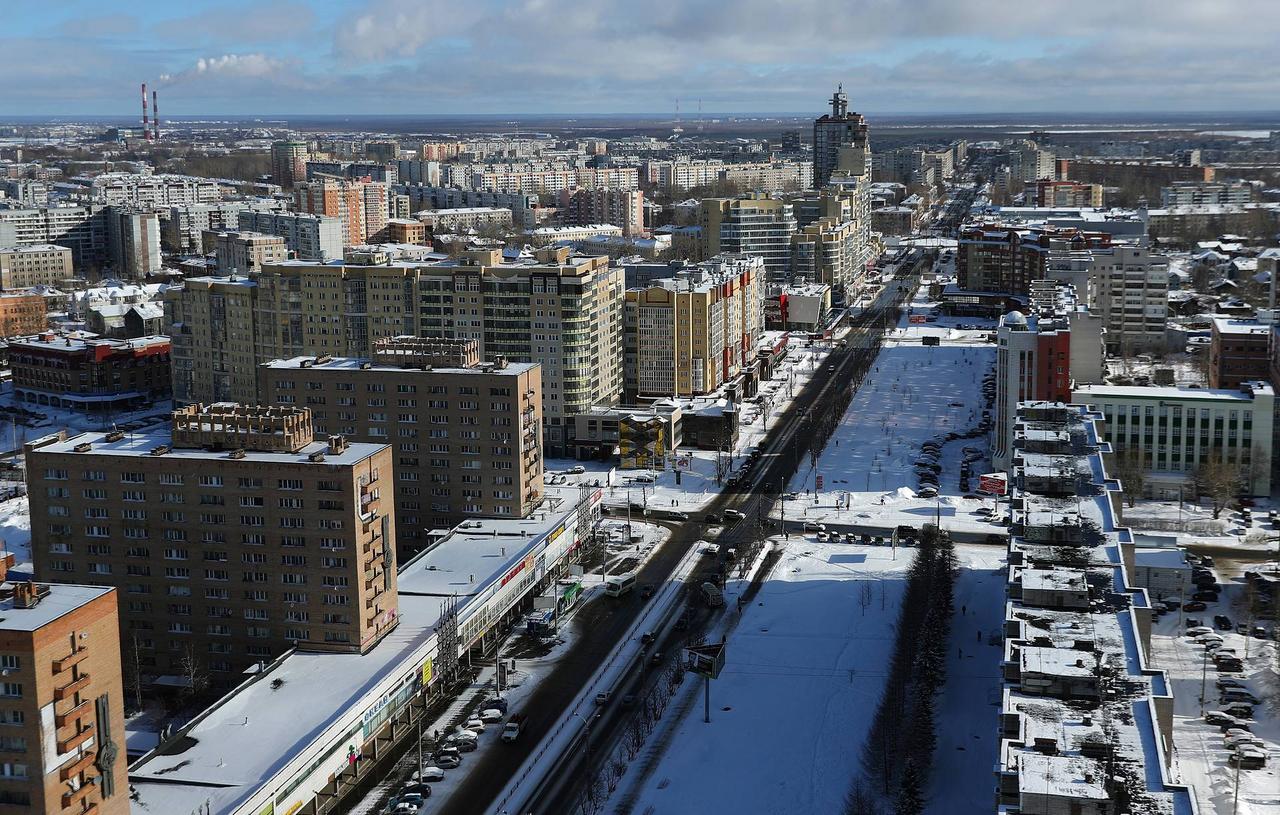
[[1194, 605]]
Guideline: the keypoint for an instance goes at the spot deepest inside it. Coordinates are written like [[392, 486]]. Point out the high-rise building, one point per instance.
[[360, 205], [1128, 286], [133, 238], [1050, 193], [561, 310], [622, 208], [691, 333], [1191, 193], [289, 163], [1006, 258], [22, 267], [246, 252], [153, 191], [63, 699], [384, 151], [182, 228], [231, 538], [756, 224], [82, 229], [308, 237], [840, 142], [825, 252], [467, 434]]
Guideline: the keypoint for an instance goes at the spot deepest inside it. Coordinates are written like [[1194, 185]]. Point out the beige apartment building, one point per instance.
[[557, 309], [467, 435], [231, 538], [61, 700], [692, 333], [245, 252], [825, 252], [22, 267]]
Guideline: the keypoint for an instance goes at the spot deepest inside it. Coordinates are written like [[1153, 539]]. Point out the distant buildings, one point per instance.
[[22, 267], [1006, 258], [1182, 193], [840, 142], [464, 219], [308, 236], [1049, 193], [133, 237], [80, 228], [360, 205], [63, 698], [622, 208], [693, 332], [90, 374], [231, 538], [289, 163], [246, 252], [153, 191]]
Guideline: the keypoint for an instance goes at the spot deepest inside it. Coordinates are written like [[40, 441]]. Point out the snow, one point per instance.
[[805, 660], [1200, 757]]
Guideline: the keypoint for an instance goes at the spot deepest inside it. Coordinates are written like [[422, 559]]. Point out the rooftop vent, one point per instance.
[[316, 457], [115, 435], [85, 447], [237, 453], [160, 450]]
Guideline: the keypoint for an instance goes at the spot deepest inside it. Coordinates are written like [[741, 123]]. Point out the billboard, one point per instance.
[[993, 483]]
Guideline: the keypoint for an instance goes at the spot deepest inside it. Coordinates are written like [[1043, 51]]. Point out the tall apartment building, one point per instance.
[[622, 208], [441, 150], [22, 267], [512, 180], [1238, 352], [691, 333], [1131, 292], [80, 228], [523, 206], [840, 142], [825, 252], [1029, 163], [756, 224], [384, 173], [182, 228], [466, 435], [1176, 429], [134, 240], [360, 205], [289, 163], [231, 537], [683, 172], [153, 191], [384, 150], [1049, 193], [557, 309], [1006, 258], [246, 252], [29, 192], [462, 219], [307, 236], [1041, 355], [61, 700], [769, 175]]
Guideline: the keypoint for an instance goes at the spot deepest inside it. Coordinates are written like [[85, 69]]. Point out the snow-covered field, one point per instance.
[[1200, 757], [802, 676]]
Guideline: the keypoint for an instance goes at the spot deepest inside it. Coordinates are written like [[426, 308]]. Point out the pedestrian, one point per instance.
[[964, 609], [979, 635]]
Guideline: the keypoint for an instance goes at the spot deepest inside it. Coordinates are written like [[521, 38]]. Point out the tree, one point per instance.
[[1131, 467], [911, 792], [1220, 480]]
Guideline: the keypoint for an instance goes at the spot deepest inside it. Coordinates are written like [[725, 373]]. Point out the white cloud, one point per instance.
[[237, 66]]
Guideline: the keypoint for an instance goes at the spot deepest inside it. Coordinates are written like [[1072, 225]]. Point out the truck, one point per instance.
[[511, 731], [712, 595]]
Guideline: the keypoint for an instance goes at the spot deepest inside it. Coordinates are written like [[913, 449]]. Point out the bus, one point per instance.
[[620, 584]]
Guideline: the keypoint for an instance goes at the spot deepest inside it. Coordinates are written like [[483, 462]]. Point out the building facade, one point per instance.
[[231, 537], [840, 142], [622, 208], [308, 236], [1238, 352], [289, 163], [246, 252], [62, 699], [23, 312], [22, 267], [1006, 258], [90, 374], [133, 238], [757, 225], [359, 204]]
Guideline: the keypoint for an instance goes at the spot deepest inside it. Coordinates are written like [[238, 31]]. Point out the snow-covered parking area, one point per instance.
[[1200, 751]]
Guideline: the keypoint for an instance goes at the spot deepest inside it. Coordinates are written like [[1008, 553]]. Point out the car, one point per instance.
[[1229, 666], [628, 700], [577, 469], [1197, 630], [491, 715], [1193, 622], [1222, 622], [466, 745], [849, 537], [418, 789], [646, 591], [821, 536], [447, 758], [1205, 597], [429, 773], [1241, 710], [404, 808], [475, 725], [814, 526], [1203, 639], [1221, 719], [712, 518], [927, 492], [677, 515], [603, 697], [496, 703], [1248, 757], [643, 479], [1194, 605], [734, 514], [1234, 740], [1230, 695], [1259, 632], [647, 638], [1227, 682]]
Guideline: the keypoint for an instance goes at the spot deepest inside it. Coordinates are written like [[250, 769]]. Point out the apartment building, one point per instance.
[[514, 180], [90, 374], [29, 192], [182, 228], [825, 252], [133, 239], [382, 172], [560, 310], [359, 204], [289, 162], [757, 225], [1050, 193], [840, 142], [1128, 286], [769, 175], [694, 332], [1183, 193], [1238, 352], [1085, 718], [162, 190], [61, 699], [1005, 258], [23, 312], [22, 267], [464, 219], [466, 435], [1177, 429], [622, 208], [524, 206], [231, 537], [683, 173], [307, 236], [82, 229], [246, 252], [407, 230]]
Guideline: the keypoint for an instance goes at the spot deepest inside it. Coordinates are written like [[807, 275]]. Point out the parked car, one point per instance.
[[447, 760], [1248, 757], [1205, 597], [496, 703], [1222, 622], [1238, 695], [429, 773], [712, 518], [512, 730], [1196, 631], [1221, 719], [1227, 682], [1194, 605], [491, 715], [576, 469], [734, 514]]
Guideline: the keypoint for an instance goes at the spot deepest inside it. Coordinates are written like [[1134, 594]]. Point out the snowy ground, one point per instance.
[[806, 666], [911, 394], [1193, 525], [698, 484], [1200, 757]]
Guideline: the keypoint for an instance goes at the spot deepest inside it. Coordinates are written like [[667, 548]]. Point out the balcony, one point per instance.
[[70, 799], [76, 767], [72, 742], [67, 717], [74, 658], [68, 690]]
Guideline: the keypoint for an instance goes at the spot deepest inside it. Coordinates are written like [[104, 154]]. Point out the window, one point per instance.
[[10, 662], [211, 481], [11, 690]]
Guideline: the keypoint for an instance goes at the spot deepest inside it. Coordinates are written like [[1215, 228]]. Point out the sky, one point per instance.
[[268, 57]]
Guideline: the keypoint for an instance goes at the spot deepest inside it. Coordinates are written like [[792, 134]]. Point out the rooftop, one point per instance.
[[55, 600]]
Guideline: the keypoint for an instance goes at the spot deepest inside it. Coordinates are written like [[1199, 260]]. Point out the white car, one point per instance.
[[491, 716], [431, 773], [734, 514], [1198, 630], [1235, 740], [475, 725], [577, 469]]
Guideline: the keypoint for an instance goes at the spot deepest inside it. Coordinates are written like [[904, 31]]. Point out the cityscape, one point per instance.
[[401, 417]]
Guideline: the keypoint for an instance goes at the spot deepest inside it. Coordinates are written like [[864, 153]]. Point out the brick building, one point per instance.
[[23, 312], [1006, 258], [1238, 352], [88, 373]]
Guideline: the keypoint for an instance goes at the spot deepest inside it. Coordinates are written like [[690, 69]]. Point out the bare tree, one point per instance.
[[1220, 480], [1131, 467], [864, 596]]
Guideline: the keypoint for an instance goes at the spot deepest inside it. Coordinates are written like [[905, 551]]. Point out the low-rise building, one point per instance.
[[22, 267], [91, 374], [798, 307], [63, 715], [1238, 352], [23, 312], [174, 518]]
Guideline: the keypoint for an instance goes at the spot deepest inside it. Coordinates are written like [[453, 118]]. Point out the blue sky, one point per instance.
[[614, 56]]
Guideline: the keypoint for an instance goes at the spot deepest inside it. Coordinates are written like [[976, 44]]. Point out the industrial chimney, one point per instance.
[[146, 127], [155, 116]]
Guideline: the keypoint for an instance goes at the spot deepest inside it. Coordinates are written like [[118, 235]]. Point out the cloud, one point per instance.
[[401, 28], [257, 22], [237, 66], [99, 26]]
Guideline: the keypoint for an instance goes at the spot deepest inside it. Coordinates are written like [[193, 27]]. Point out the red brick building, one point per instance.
[[88, 373], [1006, 259], [1238, 352]]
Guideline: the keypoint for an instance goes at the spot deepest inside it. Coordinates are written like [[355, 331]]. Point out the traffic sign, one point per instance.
[[706, 660]]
